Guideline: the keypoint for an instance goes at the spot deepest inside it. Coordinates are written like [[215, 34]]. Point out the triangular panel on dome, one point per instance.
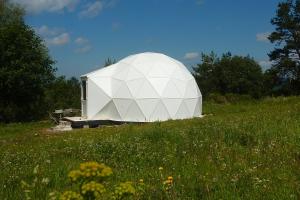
[[176, 62], [121, 72], [115, 85], [103, 72], [180, 85], [122, 106], [160, 113], [133, 74], [186, 72], [122, 92], [109, 112], [183, 112], [159, 84], [128, 60], [142, 66], [179, 74], [171, 91], [157, 71], [97, 98], [172, 105], [134, 113], [135, 86], [198, 91], [147, 106], [191, 104], [198, 108], [168, 66], [104, 83], [192, 90], [147, 91]]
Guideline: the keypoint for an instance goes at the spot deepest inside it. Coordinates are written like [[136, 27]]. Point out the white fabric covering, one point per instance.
[[145, 87]]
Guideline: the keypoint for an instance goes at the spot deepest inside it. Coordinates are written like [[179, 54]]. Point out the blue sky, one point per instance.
[[81, 34]]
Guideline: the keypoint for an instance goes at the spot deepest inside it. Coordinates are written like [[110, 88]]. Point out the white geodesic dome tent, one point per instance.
[[145, 87]]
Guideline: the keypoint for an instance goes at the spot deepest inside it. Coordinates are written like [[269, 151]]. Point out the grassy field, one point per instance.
[[248, 150]]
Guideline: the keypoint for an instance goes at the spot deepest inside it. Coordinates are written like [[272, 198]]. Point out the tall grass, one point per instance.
[[238, 151]]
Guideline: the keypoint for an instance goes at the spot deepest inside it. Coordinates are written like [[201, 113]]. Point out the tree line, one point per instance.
[[243, 75], [29, 87]]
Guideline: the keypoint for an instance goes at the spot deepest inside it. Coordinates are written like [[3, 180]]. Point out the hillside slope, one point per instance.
[[249, 150]]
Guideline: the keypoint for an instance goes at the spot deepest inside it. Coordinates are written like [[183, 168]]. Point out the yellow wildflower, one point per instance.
[[169, 181], [124, 189], [70, 195], [74, 175], [94, 188], [90, 169]]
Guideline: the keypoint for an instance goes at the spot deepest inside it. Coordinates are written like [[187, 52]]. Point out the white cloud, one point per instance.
[[45, 31], [265, 64], [53, 36], [83, 45], [262, 37], [59, 40], [38, 6], [91, 10], [81, 41], [111, 3], [191, 55], [83, 49]]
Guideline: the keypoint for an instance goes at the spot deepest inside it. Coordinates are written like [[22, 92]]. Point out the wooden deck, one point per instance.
[[79, 122]]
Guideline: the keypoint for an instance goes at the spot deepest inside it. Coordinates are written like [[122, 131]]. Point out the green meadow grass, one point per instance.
[[247, 150]]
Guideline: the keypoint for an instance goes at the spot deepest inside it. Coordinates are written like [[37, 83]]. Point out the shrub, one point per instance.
[[228, 98], [216, 98], [91, 179]]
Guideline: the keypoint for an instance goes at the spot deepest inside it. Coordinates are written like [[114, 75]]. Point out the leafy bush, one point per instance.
[[25, 70], [235, 98], [229, 74], [216, 98], [228, 98], [63, 93]]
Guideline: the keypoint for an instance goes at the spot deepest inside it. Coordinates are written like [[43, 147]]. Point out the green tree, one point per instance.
[[63, 93], [205, 73], [25, 67], [109, 61], [229, 74], [286, 55]]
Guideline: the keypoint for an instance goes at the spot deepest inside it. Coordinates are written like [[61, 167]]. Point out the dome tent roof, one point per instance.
[[143, 87]]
